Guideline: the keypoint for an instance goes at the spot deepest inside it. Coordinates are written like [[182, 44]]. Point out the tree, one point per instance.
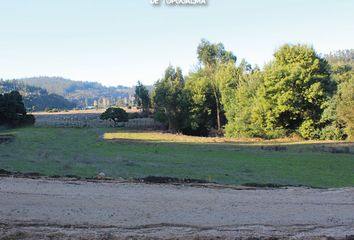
[[115, 114], [201, 104], [211, 56], [239, 99], [296, 90], [345, 106], [339, 116], [169, 99], [13, 112], [142, 97]]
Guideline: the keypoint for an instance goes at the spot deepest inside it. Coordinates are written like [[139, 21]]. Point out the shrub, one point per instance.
[[115, 114], [308, 130]]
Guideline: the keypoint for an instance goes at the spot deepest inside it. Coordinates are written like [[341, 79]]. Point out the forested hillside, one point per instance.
[[36, 98], [82, 93]]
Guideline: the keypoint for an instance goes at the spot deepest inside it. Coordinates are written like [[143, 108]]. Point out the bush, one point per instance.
[[115, 114], [332, 132], [308, 130]]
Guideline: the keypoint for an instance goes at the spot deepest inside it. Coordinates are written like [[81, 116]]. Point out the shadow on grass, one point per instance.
[[340, 147]]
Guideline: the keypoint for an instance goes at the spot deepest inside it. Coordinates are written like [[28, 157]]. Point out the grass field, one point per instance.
[[86, 152]]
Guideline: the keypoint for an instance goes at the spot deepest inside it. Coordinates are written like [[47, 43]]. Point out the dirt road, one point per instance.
[[55, 209]]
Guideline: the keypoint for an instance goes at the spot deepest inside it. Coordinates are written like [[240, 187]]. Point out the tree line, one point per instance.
[[299, 92]]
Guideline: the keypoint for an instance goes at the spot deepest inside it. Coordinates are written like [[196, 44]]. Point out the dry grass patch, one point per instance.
[[179, 138]]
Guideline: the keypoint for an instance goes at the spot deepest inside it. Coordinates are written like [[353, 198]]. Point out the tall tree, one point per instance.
[[142, 97], [169, 99], [296, 89], [200, 98], [341, 111], [211, 56], [238, 97], [345, 106]]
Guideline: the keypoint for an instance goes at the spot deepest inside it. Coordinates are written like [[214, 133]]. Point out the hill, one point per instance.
[[82, 93], [36, 98]]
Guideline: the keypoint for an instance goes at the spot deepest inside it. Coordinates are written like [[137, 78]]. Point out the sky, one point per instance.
[[118, 42]]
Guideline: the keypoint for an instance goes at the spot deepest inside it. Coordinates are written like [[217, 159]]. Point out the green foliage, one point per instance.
[[142, 97], [115, 114], [339, 116], [200, 98], [241, 105], [297, 93], [345, 106], [170, 100], [296, 89], [13, 112], [212, 56], [308, 129]]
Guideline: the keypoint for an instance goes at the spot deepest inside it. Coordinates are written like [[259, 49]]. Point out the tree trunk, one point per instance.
[[217, 101], [218, 121]]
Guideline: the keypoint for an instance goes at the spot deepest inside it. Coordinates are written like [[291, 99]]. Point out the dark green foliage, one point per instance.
[[135, 115], [27, 120], [13, 112], [170, 100], [115, 114], [142, 97]]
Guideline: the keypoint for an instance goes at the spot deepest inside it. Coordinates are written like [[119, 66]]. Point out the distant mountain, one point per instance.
[[36, 98], [82, 93]]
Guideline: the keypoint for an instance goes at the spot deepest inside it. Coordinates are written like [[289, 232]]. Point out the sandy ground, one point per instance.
[[58, 209]]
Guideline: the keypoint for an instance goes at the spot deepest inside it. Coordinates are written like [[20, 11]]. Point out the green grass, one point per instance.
[[84, 152]]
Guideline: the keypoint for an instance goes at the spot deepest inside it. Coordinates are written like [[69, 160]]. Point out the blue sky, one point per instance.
[[117, 42]]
